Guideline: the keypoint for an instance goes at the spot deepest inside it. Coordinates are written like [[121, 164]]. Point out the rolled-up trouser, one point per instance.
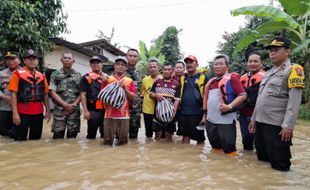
[[95, 122], [119, 127], [269, 146], [222, 136]]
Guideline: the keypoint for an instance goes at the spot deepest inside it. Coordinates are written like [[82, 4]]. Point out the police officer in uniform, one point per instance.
[[65, 91], [91, 84], [6, 123], [134, 105], [277, 107]]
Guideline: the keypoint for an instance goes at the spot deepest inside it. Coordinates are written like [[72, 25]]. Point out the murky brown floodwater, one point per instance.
[[143, 164]]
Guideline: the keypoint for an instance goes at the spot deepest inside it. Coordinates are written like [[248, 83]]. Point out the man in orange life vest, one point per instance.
[[277, 107], [250, 82], [91, 84], [223, 95], [29, 92]]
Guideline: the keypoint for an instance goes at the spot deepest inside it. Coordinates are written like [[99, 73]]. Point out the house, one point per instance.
[[82, 53]]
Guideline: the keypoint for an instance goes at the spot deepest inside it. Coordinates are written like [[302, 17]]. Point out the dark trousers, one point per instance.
[[271, 148], [6, 123], [95, 122], [32, 122], [187, 127], [247, 137], [148, 123], [222, 136]]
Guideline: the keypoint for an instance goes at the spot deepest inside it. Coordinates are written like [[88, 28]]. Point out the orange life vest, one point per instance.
[[95, 84], [31, 87], [226, 91], [250, 81], [251, 86]]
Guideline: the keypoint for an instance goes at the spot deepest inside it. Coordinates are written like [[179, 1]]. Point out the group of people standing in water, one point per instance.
[[265, 103]]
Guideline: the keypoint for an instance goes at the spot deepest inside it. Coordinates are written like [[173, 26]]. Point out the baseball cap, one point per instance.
[[191, 57], [279, 42], [10, 54], [30, 53], [95, 58], [121, 58]]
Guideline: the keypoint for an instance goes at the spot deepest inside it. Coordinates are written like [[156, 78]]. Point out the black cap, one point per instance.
[[95, 58], [279, 42], [30, 53], [10, 54]]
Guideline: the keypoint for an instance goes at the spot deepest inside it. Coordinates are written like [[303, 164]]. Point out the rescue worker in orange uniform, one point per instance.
[[90, 85], [250, 81], [29, 90]]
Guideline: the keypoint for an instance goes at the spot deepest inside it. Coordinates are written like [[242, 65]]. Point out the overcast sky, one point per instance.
[[203, 21]]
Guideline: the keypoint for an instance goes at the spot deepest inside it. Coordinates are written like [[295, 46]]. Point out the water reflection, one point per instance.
[[143, 164]]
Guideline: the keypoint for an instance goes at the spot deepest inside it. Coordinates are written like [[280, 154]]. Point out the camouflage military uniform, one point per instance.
[[135, 106], [67, 86]]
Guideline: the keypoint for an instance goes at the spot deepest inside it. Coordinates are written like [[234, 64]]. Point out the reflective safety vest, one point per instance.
[[251, 86], [226, 91], [95, 83], [31, 87]]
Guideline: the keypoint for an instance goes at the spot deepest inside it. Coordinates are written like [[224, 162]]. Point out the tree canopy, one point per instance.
[[28, 24]]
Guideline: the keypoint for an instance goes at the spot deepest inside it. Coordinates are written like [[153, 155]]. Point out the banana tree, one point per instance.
[[292, 19], [145, 55]]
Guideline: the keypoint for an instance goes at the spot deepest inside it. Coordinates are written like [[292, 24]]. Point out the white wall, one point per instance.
[[109, 55], [52, 60]]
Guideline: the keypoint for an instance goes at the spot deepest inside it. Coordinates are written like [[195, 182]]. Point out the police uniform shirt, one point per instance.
[[277, 104], [5, 76]]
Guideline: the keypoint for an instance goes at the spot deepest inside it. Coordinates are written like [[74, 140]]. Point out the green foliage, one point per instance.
[[293, 19], [304, 112], [266, 11], [146, 54], [170, 44], [230, 44], [165, 48], [28, 24], [292, 22]]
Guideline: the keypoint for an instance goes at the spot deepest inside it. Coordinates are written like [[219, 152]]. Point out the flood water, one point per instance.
[[144, 164]]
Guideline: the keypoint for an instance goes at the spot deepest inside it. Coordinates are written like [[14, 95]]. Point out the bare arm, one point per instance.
[[84, 105], [16, 118], [236, 103], [130, 95], [47, 108]]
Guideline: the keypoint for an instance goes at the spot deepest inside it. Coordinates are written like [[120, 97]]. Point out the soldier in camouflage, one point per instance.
[[65, 91], [135, 105]]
